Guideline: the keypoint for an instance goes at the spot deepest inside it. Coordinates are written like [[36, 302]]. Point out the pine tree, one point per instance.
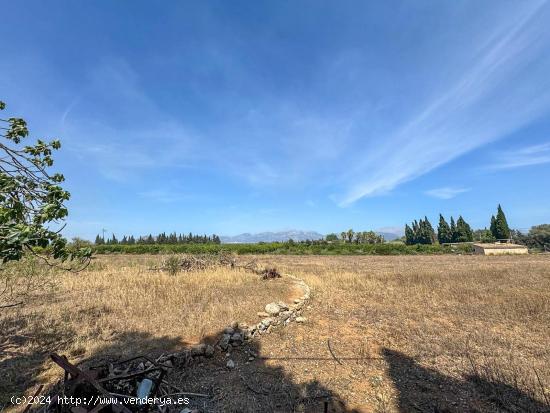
[[444, 234], [99, 240], [501, 228]]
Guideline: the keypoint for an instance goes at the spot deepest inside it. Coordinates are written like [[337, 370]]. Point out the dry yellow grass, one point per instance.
[[458, 317], [118, 299], [460, 333]]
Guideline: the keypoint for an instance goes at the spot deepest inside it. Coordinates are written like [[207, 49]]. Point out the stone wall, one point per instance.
[[275, 315]]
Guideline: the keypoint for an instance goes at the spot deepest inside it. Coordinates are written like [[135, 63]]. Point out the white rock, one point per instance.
[[285, 315], [230, 364], [301, 319], [272, 308]]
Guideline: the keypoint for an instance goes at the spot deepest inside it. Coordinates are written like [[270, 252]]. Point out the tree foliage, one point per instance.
[[368, 237], [483, 235], [453, 230], [464, 232], [161, 238], [537, 238], [420, 232], [499, 225], [444, 234], [31, 198]]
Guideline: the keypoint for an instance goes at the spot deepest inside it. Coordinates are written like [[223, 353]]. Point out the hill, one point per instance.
[[281, 236]]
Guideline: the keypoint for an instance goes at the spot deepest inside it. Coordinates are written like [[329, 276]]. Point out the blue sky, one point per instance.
[[228, 117]]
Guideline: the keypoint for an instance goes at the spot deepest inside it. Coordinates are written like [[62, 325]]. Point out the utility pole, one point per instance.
[[103, 231]]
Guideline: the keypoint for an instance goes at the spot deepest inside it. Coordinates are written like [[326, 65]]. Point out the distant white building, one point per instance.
[[499, 248]]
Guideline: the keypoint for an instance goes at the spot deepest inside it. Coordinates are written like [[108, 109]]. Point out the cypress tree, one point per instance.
[[429, 233], [454, 235], [443, 231], [493, 227], [416, 232], [502, 230], [463, 231], [99, 240], [409, 235]]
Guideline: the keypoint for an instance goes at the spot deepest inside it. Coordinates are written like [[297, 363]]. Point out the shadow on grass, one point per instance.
[[255, 385], [425, 390], [25, 345], [251, 386]]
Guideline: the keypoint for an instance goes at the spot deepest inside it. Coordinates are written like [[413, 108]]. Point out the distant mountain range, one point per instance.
[[295, 235], [248, 238]]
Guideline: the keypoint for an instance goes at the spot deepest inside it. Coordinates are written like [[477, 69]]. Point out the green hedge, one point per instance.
[[286, 248]]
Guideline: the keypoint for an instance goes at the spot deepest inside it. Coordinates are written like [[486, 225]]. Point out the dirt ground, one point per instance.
[[383, 334]]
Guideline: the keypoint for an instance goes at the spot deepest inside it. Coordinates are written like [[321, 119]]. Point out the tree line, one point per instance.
[[161, 238], [359, 237], [422, 232]]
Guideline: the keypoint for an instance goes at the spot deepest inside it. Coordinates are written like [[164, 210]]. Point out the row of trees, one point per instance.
[[161, 238], [422, 232], [459, 232], [360, 237]]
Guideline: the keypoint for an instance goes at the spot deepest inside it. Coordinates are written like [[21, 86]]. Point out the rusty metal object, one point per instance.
[[107, 381]]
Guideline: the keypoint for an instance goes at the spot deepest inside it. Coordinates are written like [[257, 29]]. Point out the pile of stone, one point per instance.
[[275, 314], [235, 335]]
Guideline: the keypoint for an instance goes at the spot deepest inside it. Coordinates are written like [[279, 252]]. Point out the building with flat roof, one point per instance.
[[499, 248]]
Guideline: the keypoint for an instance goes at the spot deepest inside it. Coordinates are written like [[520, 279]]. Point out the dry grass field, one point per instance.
[[436, 333], [117, 306], [395, 333]]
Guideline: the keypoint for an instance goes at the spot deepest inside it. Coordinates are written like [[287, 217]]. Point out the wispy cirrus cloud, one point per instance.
[[446, 192], [503, 89], [527, 156], [166, 195]]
